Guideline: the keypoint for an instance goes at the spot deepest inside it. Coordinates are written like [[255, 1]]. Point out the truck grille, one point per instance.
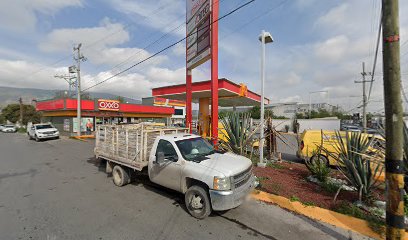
[[242, 178]]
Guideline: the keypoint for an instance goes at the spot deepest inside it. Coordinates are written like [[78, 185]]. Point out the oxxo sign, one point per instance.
[[108, 105]]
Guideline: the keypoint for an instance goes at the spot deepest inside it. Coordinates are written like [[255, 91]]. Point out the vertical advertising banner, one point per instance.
[[84, 121], [198, 32]]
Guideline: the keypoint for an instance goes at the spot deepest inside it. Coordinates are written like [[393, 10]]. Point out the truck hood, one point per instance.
[[46, 130], [228, 164]]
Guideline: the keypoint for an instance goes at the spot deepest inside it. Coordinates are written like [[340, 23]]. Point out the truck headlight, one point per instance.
[[222, 183]]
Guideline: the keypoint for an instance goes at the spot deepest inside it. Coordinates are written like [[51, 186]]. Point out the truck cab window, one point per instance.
[[167, 148]]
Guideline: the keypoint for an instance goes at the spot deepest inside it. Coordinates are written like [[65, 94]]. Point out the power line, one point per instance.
[[163, 36], [375, 56], [253, 19], [154, 12], [170, 46]]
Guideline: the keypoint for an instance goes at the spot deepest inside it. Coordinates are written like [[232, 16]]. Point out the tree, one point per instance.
[[256, 112], [2, 119], [12, 113]]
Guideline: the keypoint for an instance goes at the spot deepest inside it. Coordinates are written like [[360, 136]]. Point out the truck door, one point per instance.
[[168, 172]]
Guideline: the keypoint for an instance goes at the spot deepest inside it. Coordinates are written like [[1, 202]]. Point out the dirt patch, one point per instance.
[[289, 180]]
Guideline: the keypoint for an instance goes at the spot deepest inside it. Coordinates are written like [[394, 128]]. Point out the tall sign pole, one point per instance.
[[201, 46], [214, 71], [394, 164]]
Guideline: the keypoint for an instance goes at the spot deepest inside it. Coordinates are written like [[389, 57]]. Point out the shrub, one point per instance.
[[318, 168], [318, 164], [359, 163]]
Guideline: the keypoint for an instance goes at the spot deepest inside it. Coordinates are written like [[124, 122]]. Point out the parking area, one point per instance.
[[57, 190]]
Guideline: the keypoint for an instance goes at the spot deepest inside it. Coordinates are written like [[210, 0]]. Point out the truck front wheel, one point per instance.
[[197, 202], [120, 176]]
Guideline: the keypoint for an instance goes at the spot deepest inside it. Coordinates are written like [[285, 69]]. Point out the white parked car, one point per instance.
[[42, 131], [9, 128]]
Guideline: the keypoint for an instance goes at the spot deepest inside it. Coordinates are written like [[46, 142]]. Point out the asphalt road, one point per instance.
[[57, 190]]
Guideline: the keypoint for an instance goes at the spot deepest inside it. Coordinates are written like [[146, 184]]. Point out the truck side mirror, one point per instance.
[[160, 157]]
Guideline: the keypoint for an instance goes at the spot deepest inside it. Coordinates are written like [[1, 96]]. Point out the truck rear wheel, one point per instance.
[[197, 202], [120, 176]]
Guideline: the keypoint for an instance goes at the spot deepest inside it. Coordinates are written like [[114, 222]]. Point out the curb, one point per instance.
[[320, 214]]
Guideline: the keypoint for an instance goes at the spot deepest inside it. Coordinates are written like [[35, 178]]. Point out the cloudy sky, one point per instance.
[[319, 45]]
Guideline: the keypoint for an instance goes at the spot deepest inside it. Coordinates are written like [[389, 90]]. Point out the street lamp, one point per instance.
[[310, 100], [265, 38]]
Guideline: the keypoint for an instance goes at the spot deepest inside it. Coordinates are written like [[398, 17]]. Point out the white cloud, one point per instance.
[[179, 50], [295, 98], [99, 44], [20, 15], [107, 34], [20, 74], [163, 15], [333, 49], [336, 16]]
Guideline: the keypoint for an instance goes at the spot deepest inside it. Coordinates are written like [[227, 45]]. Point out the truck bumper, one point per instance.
[[47, 136], [224, 200]]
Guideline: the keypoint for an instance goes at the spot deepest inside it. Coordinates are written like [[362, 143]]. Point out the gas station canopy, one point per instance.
[[230, 94]]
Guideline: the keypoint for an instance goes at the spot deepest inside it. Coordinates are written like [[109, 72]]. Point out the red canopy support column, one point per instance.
[[189, 99], [214, 70]]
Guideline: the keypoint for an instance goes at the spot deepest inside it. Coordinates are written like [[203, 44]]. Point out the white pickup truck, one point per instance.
[[210, 180], [42, 131]]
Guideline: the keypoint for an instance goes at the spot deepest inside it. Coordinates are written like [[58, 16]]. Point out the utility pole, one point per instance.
[[69, 79], [364, 74], [78, 58], [394, 164], [20, 100]]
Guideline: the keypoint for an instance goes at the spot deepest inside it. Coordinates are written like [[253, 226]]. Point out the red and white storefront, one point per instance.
[[62, 113]]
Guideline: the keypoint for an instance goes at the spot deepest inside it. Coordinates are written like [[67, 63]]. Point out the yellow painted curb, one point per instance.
[[78, 138], [320, 214]]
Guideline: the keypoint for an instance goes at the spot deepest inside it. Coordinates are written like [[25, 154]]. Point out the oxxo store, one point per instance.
[[62, 113]]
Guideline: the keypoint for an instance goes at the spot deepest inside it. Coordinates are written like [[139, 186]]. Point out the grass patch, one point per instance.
[[375, 223], [294, 199], [309, 204], [275, 165]]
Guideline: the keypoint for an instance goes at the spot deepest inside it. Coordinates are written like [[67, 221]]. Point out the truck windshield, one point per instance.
[[194, 148], [43, 126]]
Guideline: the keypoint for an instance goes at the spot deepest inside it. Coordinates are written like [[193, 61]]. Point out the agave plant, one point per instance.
[[358, 162], [316, 165], [238, 132]]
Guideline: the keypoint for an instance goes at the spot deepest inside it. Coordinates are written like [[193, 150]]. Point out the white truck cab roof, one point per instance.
[[178, 136]]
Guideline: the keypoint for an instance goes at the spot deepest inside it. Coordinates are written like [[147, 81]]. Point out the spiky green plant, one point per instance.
[[358, 162], [237, 127], [317, 164]]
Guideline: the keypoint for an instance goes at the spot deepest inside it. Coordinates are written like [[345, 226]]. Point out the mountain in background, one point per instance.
[[11, 95]]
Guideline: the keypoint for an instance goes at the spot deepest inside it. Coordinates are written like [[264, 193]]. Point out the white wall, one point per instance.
[[325, 124]]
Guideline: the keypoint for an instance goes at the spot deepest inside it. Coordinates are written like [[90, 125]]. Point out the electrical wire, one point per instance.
[[241, 27], [169, 46], [154, 12], [375, 56]]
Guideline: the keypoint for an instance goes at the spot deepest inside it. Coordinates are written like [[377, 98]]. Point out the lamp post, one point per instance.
[[265, 38]]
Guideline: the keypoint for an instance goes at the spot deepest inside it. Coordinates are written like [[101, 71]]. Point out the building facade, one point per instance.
[[62, 113]]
